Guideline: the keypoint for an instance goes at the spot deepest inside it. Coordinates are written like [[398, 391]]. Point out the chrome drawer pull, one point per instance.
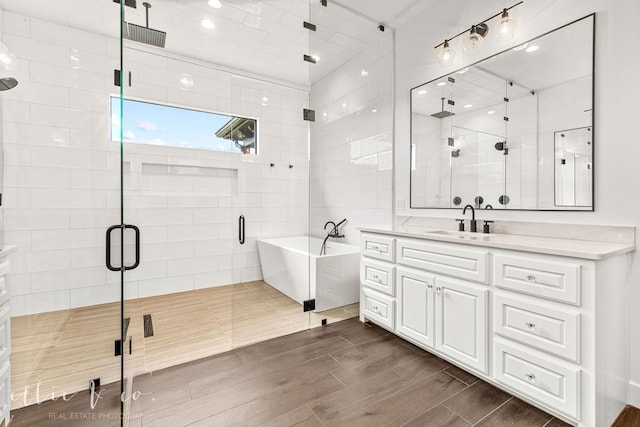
[[376, 278], [429, 286], [438, 289], [532, 279], [530, 325], [531, 378]]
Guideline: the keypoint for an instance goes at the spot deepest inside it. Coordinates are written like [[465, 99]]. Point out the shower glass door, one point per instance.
[[214, 185], [350, 150]]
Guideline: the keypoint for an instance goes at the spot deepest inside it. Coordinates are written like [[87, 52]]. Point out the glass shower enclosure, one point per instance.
[[167, 186]]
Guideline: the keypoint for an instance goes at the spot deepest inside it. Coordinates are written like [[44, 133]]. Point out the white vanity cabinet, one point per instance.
[[444, 314], [550, 329], [5, 340]]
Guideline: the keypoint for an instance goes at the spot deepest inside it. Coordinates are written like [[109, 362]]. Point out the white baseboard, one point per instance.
[[634, 394]]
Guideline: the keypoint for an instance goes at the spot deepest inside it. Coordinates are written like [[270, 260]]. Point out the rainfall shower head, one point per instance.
[[7, 83], [442, 114], [144, 35]]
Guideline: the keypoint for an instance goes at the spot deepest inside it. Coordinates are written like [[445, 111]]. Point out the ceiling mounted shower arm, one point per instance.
[[147, 6]]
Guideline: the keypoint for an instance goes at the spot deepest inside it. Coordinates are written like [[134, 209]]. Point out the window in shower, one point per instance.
[[157, 124]]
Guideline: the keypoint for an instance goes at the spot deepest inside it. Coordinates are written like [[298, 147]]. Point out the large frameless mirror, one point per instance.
[[491, 134]]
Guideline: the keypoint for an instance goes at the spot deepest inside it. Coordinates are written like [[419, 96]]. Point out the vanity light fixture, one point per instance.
[[472, 42], [475, 35], [507, 27], [445, 54]]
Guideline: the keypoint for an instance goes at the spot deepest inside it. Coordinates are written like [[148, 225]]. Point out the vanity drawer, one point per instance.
[[377, 246], [549, 381], [4, 268], [378, 307], [5, 332], [452, 260], [542, 277], [4, 295], [538, 325], [378, 275], [5, 391]]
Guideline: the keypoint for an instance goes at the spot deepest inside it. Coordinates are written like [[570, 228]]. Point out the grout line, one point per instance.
[[460, 415], [336, 360], [339, 380], [314, 414], [507, 401]]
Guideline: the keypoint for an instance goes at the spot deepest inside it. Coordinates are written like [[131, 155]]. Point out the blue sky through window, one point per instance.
[[155, 124]]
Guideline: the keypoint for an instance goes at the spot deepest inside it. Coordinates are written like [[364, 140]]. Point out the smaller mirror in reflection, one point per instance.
[[573, 167]]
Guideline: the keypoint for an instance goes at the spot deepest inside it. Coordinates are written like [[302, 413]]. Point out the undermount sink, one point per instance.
[[460, 234]]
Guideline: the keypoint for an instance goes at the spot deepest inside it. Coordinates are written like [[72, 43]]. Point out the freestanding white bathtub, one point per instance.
[[293, 266]]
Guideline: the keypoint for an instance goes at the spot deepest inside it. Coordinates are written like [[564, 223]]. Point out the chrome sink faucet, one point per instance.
[[473, 226]]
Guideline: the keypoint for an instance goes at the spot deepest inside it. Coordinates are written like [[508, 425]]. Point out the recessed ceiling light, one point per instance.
[[422, 92], [208, 24], [442, 84], [464, 70], [215, 4], [532, 48], [186, 80], [468, 106], [522, 46], [491, 112]]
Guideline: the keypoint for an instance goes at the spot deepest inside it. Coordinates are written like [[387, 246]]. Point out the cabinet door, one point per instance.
[[415, 311], [461, 321]]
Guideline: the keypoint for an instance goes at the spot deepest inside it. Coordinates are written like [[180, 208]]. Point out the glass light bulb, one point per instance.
[[507, 27], [445, 55], [471, 43]]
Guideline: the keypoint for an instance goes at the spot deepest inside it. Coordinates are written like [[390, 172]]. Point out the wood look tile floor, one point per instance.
[[60, 352], [343, 374]]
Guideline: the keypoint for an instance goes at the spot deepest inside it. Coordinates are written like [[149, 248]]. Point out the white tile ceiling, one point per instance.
[[262, 37]]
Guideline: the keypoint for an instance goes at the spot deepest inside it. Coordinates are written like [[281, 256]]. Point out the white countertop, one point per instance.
[[545, 245]]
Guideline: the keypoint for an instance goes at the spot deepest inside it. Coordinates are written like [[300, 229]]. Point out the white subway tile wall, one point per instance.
[[61, 178], [352, 143]]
